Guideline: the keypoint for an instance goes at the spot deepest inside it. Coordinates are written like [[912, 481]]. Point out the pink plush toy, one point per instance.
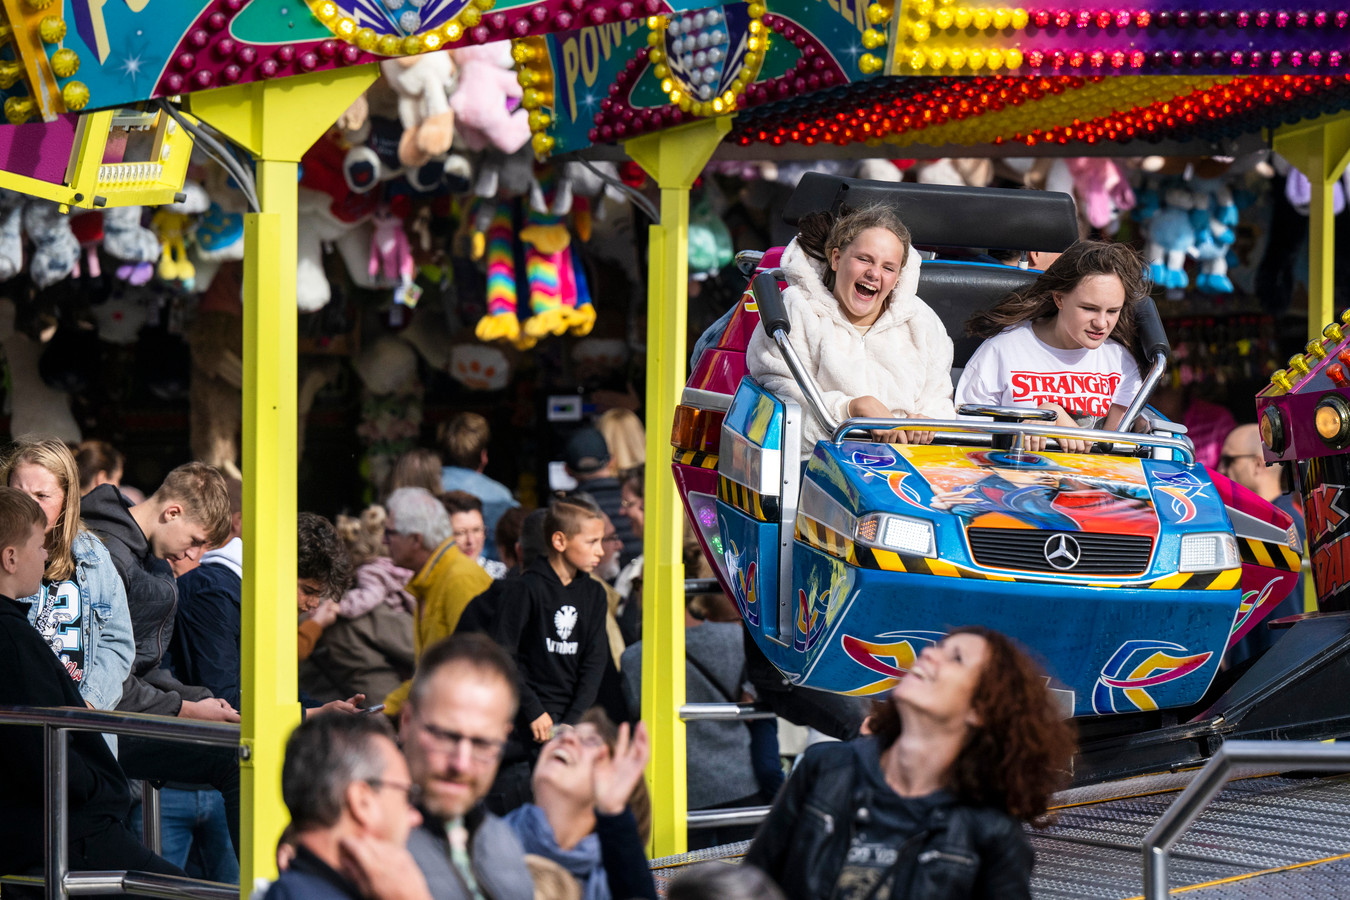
[[389, 250], [487, 102], [1102, 191]]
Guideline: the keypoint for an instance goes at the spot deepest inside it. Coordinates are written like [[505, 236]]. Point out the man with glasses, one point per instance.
[[1241, 459], [352, 806], [453, 726]]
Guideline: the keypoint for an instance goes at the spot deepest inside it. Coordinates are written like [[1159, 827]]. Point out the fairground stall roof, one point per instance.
[[814, 78]]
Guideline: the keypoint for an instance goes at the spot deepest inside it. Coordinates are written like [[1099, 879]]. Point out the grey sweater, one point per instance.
[[719, 767]]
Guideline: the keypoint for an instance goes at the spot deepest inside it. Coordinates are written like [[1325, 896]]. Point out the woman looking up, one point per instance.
[[876, 350], [931, 804], [1066, 343]]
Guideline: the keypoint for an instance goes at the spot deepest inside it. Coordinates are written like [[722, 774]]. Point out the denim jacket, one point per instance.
[[105, 622]]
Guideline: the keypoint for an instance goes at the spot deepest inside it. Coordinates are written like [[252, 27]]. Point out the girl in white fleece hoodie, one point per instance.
[[875, 348]]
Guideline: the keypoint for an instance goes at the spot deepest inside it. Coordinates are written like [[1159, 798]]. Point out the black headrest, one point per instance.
[[956, 290], [940, 215]]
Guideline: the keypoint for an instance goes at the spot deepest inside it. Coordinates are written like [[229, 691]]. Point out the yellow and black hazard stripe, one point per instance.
[[753, 504], [1197, 581], [1269, 554], [832, 542], [695, 458]]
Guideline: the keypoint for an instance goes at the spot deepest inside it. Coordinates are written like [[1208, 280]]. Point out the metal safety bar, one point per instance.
[[1179, 445], [56, 724], [721, 818], [724, 712], [1211, 779]]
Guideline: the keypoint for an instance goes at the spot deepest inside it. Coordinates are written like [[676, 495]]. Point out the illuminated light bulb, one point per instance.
[[957, 60], [326, 12], [943, 19], [1298, 366], [982, 19], [963, 17], [975, 60], [1019, 18], [51, 29], [1014, 58], [1280, 378], [994, 60], [1002, 18], [917, 60], [18, 109], [65, 62], [76, 96], [919, 31], [938, 58], [1336, 372]]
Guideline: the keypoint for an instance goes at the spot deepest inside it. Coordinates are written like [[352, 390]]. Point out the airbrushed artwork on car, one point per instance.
[[1139, 665]]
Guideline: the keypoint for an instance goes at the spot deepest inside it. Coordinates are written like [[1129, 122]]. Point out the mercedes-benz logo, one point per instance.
[[1062, 551]]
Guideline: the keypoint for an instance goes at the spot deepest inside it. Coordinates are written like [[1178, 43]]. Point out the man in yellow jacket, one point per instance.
[[417, 533]]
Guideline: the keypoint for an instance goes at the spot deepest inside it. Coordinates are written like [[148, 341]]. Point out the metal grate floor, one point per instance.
[[1254, 825]]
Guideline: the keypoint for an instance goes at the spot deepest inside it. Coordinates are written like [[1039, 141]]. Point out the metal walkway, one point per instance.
[[1265, 836]]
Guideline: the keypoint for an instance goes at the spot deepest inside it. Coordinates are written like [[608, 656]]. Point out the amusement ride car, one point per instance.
[[1129, 570]]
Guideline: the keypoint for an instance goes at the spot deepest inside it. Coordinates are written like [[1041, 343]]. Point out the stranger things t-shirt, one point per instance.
[[1016, 368]]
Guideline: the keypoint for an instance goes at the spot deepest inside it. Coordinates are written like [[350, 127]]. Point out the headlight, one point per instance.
[[899, 533], [1332, 419], [1211, 552]]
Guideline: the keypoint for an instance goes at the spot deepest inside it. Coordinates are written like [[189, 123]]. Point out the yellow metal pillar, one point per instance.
[[276, 121], [674, 159], [1320, 149]]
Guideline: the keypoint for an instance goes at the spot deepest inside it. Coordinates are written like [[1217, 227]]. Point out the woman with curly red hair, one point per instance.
[[931, 804]]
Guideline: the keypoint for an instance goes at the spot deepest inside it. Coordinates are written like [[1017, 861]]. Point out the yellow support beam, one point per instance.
[[1320, 149], [674, 160], [277, 121]]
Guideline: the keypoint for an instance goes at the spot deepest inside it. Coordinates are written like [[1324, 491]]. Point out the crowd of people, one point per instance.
[[471, 671]]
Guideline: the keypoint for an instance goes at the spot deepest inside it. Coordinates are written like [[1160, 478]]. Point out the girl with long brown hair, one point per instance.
[[1066, 343], [930, 805]]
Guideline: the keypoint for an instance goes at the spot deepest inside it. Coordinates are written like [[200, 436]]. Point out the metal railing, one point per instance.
[[721, 712], [57, 723], [1181, 445], [1206, 785]]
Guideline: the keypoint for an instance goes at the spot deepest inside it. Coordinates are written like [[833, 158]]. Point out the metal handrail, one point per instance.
[[724, 712], [717, 818], [56, 724], [1179, 445], [1155, 374], [1211, 779]]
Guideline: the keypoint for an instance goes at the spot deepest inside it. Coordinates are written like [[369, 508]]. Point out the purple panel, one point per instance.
[[39, 150]]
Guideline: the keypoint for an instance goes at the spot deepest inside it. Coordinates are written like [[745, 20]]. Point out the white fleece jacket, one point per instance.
[[904, 359]]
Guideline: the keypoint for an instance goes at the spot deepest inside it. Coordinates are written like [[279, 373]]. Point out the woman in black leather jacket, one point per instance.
[[930, 806]]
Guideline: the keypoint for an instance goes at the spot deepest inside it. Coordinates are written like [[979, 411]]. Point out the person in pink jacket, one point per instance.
[[876, 350]]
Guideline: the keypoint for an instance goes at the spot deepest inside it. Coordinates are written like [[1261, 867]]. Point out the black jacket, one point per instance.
[[31, 675], [557, 637], [962, 852], [152, 597]]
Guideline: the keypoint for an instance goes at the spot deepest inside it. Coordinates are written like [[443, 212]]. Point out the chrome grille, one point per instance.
[[1025, 549]]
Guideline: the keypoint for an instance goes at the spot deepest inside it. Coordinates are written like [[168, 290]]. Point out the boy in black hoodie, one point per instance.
[[30, 675], [551, 620]]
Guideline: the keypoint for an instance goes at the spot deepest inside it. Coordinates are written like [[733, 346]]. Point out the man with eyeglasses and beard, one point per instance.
[[458, 716]]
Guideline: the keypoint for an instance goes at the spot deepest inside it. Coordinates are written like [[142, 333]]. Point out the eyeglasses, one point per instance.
[[477, 531], [483, 750], [588, 739], [411, 792], [1227, 460]]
